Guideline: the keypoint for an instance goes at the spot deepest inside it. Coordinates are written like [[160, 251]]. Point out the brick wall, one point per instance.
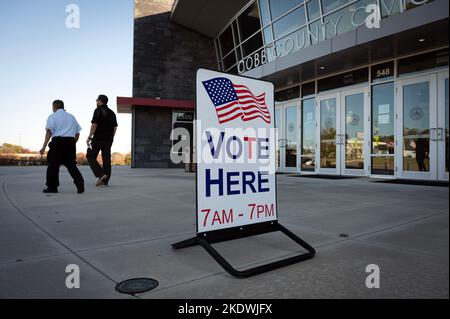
[[166, 58]]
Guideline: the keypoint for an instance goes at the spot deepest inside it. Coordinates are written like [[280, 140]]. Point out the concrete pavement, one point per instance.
[[125, 231]]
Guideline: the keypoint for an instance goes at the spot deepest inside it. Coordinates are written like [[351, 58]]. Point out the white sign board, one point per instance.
[[235, 151]]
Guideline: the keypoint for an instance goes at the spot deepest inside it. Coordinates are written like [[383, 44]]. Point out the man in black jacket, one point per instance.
[[101, 136]]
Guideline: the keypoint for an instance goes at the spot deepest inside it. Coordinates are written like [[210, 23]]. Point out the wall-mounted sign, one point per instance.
[[235, 151]]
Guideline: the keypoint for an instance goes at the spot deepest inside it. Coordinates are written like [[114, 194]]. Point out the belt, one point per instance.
[[63, 138]]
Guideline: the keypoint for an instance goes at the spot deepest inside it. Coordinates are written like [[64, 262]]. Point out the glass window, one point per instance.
[[416, 127], [289, 23], [410, 4], [291, 136], [383, 165], [313, 7], [229, 60], [390, 7], [316, 32], [423, 62], [383, 141], [292, 42], [346, 19], [330, 5], [328, 133], [288, 94], [279, 7], [354, 131], [249, 22], [345, 79], [252, 44], [264, 12], [277, 132], [267, 35], [308, 135], [226, 41]]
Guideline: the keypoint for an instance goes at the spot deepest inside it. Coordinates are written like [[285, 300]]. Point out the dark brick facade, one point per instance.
[[166, 58]]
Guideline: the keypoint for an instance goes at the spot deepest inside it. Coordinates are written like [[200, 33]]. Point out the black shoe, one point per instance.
[[80, 189], [101, 181], [50, 190]]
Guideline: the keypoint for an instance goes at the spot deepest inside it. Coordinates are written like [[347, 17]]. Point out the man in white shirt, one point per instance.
[[64, 130]]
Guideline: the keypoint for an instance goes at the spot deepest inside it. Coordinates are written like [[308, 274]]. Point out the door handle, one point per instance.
[[440, 134], [433, 134], [340, 139]]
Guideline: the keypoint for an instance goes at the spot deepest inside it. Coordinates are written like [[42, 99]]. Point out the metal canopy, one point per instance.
[[207, 17]]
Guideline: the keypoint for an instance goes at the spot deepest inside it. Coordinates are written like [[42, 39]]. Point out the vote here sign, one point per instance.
[[235, 151]]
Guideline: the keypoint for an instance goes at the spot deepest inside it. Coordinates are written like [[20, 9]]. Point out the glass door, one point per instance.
[[417, 128], [442, 127], [278, 137], [308, 136], [327, 136], [354, 143], [286, 122], [291, 134]]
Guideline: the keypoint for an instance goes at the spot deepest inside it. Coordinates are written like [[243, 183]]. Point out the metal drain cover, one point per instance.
[[136, 286]]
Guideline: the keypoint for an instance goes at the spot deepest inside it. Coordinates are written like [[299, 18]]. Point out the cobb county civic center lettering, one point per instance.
[[329, 28]]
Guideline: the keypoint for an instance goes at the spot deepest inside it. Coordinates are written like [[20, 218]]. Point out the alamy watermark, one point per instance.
[[73, 16], [373, 279], [73, 277]]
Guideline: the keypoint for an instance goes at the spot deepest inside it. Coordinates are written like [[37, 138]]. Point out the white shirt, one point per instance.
[[62, 124]]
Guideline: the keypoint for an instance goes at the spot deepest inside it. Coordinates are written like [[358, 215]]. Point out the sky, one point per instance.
[[41, 60]]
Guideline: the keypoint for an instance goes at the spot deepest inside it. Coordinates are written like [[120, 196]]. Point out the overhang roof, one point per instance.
[[207, 17], [125, 104]]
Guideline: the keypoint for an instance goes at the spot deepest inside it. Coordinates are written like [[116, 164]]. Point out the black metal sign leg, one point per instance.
[[256, 270]]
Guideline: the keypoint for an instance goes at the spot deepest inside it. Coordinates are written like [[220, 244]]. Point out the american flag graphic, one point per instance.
[[234, 101]]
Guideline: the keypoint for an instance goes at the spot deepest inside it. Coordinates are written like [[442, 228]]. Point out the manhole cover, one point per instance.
[[136, 286], [344, 235]]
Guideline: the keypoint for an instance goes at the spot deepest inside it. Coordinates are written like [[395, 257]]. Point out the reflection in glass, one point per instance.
[[316, 32], [249, 21], [328, 133], [289, 23], [277, 127], [313, 10], [292, 42], [267, 32], [446, 127], [229, 60], [226, 41], [416, 127], [330, 5], [279, 7], [252, 44], [308, 135], [383, 165], [264, 11], [291, 136], [383, 141], [346, 19], [390, 7], [354, 131]]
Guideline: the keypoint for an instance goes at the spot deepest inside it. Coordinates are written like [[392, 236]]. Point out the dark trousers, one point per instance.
[[92, 153], [62, 152]]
